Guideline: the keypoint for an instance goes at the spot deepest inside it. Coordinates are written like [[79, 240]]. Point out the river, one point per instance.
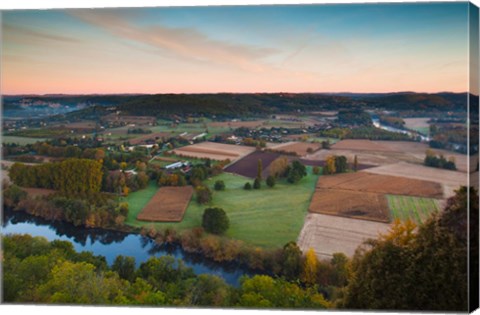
[[112, 243], [377, 124]]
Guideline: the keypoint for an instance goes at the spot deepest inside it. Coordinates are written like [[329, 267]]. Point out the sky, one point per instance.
[[420, 47]]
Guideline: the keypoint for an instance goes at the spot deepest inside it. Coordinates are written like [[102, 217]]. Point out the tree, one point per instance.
[[316, 170], [291, 261], [259, 169], [355, 163], [278, 167], [204, 195], [257, 184], [398, 261], [326, 144], [341, 164], [125, 267], [219, 185], [310, 265], [262, 291], [247, 186], [330, 167], [13, 194], [270, 181], [215, 220], [296, 172]]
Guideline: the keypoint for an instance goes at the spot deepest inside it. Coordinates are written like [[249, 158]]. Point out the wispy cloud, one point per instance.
[[184, 43], [18, 32]]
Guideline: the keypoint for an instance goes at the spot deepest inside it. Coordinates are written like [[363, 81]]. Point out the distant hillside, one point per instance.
[[229, 104], [419, 101]]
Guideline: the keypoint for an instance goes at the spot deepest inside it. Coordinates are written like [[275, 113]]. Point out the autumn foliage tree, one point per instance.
[[417, 268], [310, 266], [71, 177]]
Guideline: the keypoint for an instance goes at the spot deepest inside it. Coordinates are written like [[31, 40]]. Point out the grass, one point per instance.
[[269, 217], [320, 139], [422, 130], [413, 208], [137, 200], [21, 140]]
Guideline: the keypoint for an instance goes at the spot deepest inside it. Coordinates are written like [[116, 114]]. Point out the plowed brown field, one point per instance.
[[214, 151], [382, 184], [167, 205], [351, 204], [299, 148]]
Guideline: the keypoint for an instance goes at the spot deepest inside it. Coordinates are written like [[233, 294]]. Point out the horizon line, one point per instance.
[[207, 93]]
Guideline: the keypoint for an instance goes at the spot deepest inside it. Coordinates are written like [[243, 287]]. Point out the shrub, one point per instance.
[[215, 220], [257, 184], [219, 185], [270, 181], [247, 186], [316, 170], [204, 195]]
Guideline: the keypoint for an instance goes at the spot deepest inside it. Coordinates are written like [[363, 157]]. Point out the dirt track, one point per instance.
[[331, 234]]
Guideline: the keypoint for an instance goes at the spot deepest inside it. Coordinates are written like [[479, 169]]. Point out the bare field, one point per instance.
[[450, 180], [364, 157], [328, 234], [299, 148], [386, 152], [167, 205], [367, 145], [214, 151], [237, 124], [351, 204], [382, 184], [413, 123], [474, 180]]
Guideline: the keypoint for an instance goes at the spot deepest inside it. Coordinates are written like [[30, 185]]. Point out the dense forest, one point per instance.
[[229, 104]]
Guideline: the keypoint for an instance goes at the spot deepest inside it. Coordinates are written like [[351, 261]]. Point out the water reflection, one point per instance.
[[113, 243]]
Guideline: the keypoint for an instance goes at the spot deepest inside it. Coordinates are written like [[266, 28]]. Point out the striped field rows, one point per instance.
[[414, 208]]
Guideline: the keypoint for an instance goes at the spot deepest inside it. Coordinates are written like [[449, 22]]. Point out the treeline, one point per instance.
[[98, 211], [355, 117], [71, 177], [229, 104], [392, 121], [371, 133], [432, 160], [68, 151], [335, 164], [39, 271]]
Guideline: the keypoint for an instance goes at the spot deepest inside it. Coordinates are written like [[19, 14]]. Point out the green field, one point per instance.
[[21, 140], [413, 208], [38, 133], [320, 139], [423, 130], [269, 217], [137, 200]]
